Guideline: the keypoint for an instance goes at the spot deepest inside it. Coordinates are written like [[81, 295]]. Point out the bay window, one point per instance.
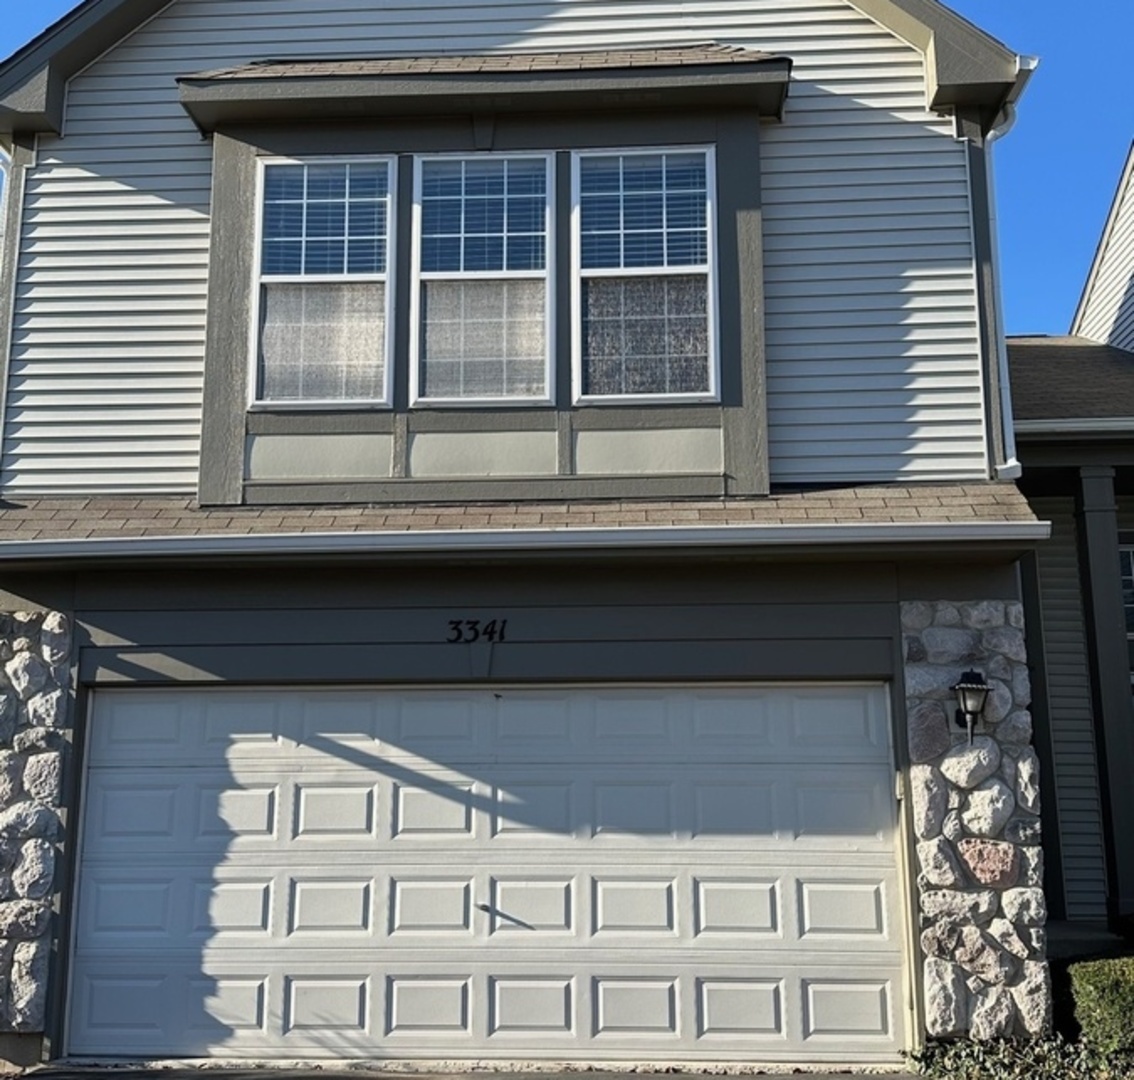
[[506, 276]]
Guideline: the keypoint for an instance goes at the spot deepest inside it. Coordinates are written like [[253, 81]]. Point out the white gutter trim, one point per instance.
[[1098, 425], [552, 539]]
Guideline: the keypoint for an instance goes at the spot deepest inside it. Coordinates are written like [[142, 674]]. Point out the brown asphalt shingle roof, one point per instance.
[[492, 63], [74, 518], [1069, 378]]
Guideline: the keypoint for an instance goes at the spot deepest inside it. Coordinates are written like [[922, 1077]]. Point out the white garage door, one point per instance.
[[695, 874]]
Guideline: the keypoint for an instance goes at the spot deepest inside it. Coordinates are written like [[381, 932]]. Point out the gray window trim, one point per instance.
[[740, 414]]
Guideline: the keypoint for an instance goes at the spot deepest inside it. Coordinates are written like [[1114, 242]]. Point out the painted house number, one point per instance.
[[466, 631]]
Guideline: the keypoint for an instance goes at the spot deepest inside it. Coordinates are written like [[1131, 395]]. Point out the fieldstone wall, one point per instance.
[[976, 817], [35, 699]]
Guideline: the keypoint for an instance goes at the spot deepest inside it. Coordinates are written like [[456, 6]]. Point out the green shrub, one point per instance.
[[1104, 1002], [1022, 1059]]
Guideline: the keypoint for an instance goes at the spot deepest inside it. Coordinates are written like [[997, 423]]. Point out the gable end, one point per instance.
[[965, 66]]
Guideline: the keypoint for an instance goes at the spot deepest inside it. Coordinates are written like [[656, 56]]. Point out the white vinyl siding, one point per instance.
[[1078, 801], [1106, 313], [872, 347]]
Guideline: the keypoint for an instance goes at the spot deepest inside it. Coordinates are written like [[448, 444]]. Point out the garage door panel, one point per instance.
[[412, 906], [423, 727], [562, 874], [622, 1010], [721, 806]]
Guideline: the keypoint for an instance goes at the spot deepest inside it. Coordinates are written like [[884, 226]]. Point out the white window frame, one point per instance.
[[577, 275], [417, 276], [259, 279]]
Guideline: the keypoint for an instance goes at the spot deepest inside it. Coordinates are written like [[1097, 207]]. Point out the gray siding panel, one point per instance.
[[1072, 719], [598, 624], [1106, 312], [865, 196]]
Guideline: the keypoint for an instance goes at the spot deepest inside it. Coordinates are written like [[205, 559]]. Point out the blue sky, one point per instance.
[[1056, 171]]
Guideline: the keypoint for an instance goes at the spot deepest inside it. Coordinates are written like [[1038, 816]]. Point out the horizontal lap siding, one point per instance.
[[870, 313], [871, 316], [1072, 717], [108, 339], [1108, 310]]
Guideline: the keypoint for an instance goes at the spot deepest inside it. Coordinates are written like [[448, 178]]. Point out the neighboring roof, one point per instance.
[[707, 75], [1106, 308], [1058, 380], [150, 526], [965, 66]]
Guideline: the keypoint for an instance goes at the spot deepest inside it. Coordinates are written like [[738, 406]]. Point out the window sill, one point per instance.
[[470, 489], [319, 406]]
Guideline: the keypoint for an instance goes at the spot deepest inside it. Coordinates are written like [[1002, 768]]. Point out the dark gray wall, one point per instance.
[[637, 618]]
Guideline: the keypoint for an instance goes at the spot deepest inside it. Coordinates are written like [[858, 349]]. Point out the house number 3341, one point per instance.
[[466, 631]]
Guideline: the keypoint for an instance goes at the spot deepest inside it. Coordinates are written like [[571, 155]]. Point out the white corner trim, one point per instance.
[[546, 540]]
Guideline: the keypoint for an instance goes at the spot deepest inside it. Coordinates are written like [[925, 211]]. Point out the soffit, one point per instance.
[[964, 65]]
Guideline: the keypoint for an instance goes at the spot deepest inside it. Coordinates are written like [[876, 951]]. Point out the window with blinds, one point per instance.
[[481, 296], [482, 290], [324, 297]]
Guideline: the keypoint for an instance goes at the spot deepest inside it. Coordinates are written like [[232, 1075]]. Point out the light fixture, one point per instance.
[[972, 693]]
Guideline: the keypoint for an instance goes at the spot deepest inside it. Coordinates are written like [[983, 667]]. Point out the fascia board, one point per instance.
[[1124, 191], [495, 542], [213, 102]]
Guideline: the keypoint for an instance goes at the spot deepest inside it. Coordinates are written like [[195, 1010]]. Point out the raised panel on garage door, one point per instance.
[[696, 873]]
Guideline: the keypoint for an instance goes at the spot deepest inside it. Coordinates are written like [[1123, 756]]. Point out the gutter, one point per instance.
[[1103, 425], [546, 540]]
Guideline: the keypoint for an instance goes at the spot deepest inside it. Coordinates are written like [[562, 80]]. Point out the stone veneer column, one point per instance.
[[35, 696], [975, 813]]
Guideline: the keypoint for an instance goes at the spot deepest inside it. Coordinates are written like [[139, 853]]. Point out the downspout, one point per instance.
[[1011, 468]]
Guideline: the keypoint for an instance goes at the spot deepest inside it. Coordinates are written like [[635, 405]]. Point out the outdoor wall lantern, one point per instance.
[[972, 693]]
